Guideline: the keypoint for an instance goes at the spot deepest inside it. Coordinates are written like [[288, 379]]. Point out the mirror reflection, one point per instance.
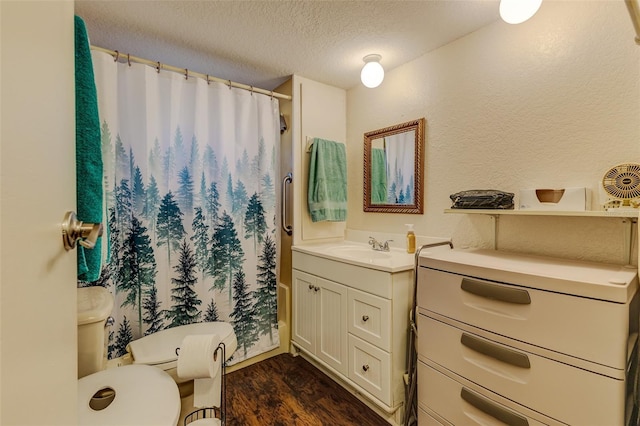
[[392, 168]]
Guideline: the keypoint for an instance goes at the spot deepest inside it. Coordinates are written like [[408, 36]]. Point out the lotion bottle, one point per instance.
[[411, 238]]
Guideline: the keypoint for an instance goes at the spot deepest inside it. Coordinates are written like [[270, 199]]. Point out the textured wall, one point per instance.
[[551, 103]]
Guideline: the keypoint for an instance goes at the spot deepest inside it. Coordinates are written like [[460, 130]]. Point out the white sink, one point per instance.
[[357, 252], [360, 254]]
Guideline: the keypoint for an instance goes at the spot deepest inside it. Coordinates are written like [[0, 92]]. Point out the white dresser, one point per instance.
[[513, 339]]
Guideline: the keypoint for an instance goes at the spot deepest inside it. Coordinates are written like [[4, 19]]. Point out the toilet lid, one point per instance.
[[160, 347], [144, 395]]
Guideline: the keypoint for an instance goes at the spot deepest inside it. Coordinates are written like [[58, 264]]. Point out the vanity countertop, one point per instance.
[[359, 254]]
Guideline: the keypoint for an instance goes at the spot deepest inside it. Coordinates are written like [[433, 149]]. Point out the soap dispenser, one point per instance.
[[411, 238]]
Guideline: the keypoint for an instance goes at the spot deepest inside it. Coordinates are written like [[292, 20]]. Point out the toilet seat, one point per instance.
[[144, 395], [159, 349]]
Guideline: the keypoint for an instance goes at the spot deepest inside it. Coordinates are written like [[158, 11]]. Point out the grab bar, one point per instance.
[[283, 206]]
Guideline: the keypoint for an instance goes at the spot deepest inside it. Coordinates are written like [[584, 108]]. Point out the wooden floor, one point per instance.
[[289, 391]]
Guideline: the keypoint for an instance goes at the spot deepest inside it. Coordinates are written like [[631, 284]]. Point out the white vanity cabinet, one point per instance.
[[352, 320], [320, 318], [519, 339]]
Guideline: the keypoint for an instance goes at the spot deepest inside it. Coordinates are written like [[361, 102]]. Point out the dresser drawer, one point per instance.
[[370, 368], [590, 329], [462, 405], [369, 317], [425, 418], [564, 392]]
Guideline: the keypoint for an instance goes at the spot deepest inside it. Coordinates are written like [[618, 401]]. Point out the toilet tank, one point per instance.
[[94, 307]]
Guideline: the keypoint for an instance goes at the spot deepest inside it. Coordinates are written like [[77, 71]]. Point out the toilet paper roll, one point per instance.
[[195, 359]]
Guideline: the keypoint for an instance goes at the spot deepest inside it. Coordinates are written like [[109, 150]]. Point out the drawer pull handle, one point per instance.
[[365, 318], [496, 292], [486, 406], [500, 353], [365, 368]]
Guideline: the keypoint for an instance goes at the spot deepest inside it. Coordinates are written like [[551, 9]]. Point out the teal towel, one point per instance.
[[88, 152], [378, 176], [327, 192]]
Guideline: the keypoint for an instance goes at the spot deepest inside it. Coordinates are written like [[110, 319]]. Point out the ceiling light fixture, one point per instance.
[[518, 11], [372, 73]]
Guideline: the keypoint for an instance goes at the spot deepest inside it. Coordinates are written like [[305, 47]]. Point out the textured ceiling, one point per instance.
[[262, 43]]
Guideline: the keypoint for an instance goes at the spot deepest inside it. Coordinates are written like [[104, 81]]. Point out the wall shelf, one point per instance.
[[589, 213], [629, 217]]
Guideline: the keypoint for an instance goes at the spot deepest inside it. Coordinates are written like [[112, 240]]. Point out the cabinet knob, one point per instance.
[[365, 367], [365, 318], [310, 286], [316, 289]]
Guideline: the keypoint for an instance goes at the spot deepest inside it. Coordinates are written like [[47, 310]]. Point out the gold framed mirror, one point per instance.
[[393, 175]]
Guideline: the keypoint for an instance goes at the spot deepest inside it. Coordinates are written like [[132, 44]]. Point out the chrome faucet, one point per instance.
[[378, 246]]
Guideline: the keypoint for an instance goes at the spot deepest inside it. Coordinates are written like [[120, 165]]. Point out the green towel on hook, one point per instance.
[[327, 190], [88, 152]]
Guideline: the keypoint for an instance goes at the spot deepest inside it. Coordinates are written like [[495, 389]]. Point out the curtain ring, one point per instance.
[[272, 95], [251, 90], [186, 74], [117, 56], [158, 67], [208, 81], [128, 59], [229, 84]]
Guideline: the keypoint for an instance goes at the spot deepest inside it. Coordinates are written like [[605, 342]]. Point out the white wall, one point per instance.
[[551, 103], [38, 351], [319, 111]]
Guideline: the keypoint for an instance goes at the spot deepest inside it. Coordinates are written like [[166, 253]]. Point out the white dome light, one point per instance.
[[518, 11], [372, 73]]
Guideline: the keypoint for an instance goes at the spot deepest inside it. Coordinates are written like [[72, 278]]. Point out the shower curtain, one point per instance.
[[190, 199], [400, 151]]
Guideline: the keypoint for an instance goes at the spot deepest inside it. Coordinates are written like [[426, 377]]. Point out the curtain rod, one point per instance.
[[160, 66]]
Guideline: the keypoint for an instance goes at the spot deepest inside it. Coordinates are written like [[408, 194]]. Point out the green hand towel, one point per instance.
[[378, 176], [88, 152], [327, 191]]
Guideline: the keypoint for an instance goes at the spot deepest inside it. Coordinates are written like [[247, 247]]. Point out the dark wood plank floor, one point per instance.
[[289, 391]]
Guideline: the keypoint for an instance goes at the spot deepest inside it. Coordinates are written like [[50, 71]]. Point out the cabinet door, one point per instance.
[[332, 325], [304, 311]]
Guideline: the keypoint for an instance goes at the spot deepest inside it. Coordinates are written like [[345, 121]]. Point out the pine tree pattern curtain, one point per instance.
[[400, 169], [189, 171]]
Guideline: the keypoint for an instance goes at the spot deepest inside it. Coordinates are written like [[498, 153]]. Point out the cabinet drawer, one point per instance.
[[585, 328], [462, 405], [369, 317], [370, 368], [566, 393], [426, 419]]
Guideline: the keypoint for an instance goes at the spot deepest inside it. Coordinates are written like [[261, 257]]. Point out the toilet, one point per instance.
[[94, 307], [136, 395], [161, 349], [127, 395]]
